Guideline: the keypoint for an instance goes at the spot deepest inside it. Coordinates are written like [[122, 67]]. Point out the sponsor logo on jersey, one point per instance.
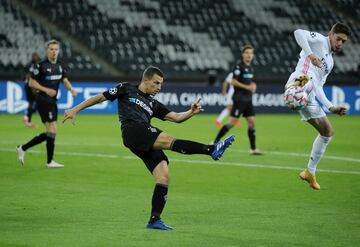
[[52, 77], [248, 76], [141, 104]]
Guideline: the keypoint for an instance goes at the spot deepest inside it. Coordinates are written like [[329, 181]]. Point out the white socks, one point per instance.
[[223, 115], [318, 149]]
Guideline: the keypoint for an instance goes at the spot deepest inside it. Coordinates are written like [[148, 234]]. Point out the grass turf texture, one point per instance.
[[102, 197]]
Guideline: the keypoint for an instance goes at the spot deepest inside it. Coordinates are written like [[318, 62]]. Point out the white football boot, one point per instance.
[[54, 164], [21, 154]]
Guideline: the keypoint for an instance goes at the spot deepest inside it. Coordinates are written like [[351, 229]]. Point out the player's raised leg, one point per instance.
[[165, 141]]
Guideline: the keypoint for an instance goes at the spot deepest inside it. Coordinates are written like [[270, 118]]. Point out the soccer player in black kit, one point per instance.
[[136, 107], [242, 98], [45, 78], [30, 92]]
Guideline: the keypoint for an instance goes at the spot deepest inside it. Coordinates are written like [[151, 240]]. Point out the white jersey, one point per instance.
[[228, 79], [319, 45], [230, 92]]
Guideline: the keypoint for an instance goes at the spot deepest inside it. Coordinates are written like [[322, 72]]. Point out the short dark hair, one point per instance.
[[341, 28], [246, 47], [150, 71]]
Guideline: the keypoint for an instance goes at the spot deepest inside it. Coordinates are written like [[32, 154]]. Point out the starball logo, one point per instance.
[[141, 104]]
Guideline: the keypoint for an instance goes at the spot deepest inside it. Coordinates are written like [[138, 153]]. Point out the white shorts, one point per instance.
[[312, 110]]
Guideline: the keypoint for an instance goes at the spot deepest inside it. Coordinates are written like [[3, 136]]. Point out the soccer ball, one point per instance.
[[295, 98]]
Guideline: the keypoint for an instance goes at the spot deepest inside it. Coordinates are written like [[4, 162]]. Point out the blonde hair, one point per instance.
[[52, 42]]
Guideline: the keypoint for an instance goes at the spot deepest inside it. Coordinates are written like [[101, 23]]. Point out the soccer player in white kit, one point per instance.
[[315, 64], [228, 90]]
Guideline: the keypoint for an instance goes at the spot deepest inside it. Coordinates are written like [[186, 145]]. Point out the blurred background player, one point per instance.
[[136, 107], [30, 92], [316, 63], [45, 78], [228, 90], [244, 87]]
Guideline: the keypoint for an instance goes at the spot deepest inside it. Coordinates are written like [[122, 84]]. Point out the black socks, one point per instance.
[[223, 131], [251, 134], [190, 147], [158, 201], [50, 146], [35, 141]]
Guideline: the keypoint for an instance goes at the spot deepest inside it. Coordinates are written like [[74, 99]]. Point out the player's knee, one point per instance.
[[163, 179], [328, 132]]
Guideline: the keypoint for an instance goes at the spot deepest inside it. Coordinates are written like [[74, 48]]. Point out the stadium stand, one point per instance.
[[20, 36], [190, 37]]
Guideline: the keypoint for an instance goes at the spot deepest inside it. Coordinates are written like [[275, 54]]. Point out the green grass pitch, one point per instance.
[[102, 197]]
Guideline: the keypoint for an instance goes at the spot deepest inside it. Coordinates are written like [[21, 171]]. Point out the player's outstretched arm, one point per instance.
[[179, 117], [71, 113]]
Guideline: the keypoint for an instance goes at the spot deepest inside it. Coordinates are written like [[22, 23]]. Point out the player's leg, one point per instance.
[[51, 129], [167, 142], [315, 116], [224, 113], [325, 129], [31, 109], [21, 149], [249, 113], [236, 111], [157, 164], [162, 180]]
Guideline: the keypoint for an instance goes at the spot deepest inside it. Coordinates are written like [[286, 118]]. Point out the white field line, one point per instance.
[[191, 161], [331, 157]]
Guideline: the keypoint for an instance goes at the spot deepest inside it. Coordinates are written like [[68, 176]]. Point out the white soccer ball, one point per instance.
[[295, 98]]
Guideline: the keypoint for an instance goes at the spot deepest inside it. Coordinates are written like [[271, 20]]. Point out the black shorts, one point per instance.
[[242, 107], [30, 93], [47, 111], [140, 138]]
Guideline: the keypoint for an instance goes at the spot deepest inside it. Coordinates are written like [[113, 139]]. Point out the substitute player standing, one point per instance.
[[136, 107], [315, 64], [46, 78], [242, 98]]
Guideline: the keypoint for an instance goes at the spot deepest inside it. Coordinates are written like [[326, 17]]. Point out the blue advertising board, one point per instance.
[[267, 99]]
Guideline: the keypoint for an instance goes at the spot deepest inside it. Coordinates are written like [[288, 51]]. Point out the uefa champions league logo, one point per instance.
[[13, 102]]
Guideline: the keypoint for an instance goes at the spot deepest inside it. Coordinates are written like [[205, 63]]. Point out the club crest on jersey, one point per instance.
[[312, 34], [237, 72], [141, 104], [113, 91]]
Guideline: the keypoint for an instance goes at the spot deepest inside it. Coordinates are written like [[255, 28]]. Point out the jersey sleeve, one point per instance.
[[35, 74], [160, 111], [236, 71], [114, 92], [320, 95], [304, 38]]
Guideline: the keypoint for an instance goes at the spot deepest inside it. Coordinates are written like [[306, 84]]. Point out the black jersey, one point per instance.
[[48, 75], [134, 105], [244, 74]]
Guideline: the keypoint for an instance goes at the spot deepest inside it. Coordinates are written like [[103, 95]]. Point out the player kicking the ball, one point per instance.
[[313, 67], [136, 107]]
